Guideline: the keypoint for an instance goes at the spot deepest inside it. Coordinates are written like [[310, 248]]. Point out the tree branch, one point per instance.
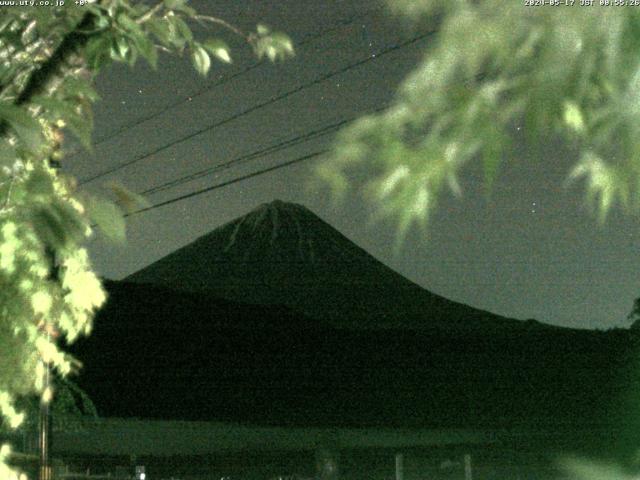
[[69, 45], [219, 21], [150, 13], [41, 78]]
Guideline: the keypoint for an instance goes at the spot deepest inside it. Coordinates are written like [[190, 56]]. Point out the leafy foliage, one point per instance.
[[71, 408], [273, 45], [572, 71], [48, 59]]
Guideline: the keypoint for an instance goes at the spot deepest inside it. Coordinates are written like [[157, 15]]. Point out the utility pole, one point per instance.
[[467, 467], [44, 424], [399, 466], [327, 463], [44, 420]]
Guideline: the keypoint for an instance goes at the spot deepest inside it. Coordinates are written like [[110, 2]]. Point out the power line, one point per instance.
[[251, 156], [320, 132], [229, 182], [272, 148], [309, 38], [270, 101]]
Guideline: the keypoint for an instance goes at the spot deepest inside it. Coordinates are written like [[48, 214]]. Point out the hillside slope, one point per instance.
[[282, 253], [169, 355]]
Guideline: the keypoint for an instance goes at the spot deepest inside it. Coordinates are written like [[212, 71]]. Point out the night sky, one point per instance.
[[532, 251]]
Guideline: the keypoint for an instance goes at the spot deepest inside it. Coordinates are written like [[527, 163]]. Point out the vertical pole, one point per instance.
[[467, 467], [44, 421], [399, 466], [327, 464], [44, 425]]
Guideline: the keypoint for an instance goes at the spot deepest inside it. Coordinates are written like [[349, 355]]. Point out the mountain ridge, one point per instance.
[[254, 358], [199, 360], [282, 253]]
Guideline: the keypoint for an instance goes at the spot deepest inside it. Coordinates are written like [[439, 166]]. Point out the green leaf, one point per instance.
[[8, 154], [283, 43], [129, 201], [200, 59], [161, 28], [80, 125], [187, 11], [26, 128], [218, 49], [102, 17], [334, 179], [126, 22], [179, 6], [262, 29], [182, 28], [573, 117], [174, 4], [275, 46], [604, 183], [98, 52], [39, 184], [136, 11], [57, 224], [135, 36], [174, 38], [120, 49], [108, 217], [78, 87], [48, 228], [7, 73], [493, 146], [147, 50]]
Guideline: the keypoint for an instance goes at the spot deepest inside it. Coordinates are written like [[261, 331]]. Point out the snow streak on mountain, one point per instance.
[[282, 253]]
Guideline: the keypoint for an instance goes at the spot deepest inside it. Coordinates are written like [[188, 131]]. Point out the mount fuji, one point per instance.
[[283, 254], [276, 318]]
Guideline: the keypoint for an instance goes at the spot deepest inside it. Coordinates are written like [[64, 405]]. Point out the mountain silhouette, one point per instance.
[[158, 353], [247, 324], [283, 254]]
